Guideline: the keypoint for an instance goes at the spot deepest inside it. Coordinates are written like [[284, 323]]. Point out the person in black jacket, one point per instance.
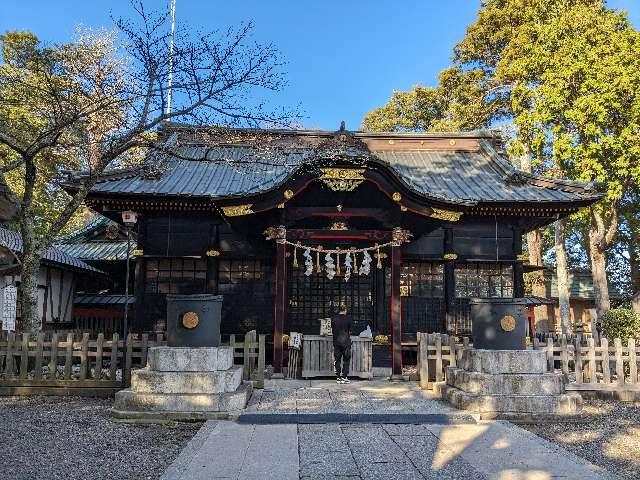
[[341, 329]]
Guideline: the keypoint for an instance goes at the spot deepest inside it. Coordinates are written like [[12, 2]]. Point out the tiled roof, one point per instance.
[[482, 175], [13, 241], [580, 286], [101, 299], [96, 250]]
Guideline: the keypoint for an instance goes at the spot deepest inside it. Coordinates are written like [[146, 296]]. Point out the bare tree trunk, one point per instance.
[[534, 248], [563, 276], [599, 273]]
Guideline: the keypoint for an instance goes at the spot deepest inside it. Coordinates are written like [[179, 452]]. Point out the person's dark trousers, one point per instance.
[[342, 354]]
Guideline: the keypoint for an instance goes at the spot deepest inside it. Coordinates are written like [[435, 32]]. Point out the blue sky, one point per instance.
[[345, 57]]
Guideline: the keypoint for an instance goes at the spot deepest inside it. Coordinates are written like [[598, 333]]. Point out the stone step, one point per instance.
[[565, 404], [506, 383], [146, 380], [187, 359], [130, 401], [504, 361]]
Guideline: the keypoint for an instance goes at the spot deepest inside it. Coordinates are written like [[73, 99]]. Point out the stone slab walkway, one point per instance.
[[488, 450], [437, 448]]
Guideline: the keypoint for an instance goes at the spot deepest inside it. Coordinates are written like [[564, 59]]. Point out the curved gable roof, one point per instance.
[[460, 175]]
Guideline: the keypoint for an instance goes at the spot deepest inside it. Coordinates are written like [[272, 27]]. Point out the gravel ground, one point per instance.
[[611, 438], [72, 437]]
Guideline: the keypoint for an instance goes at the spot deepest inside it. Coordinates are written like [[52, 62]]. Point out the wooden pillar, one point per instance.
[[399, 237], [518, 269], [138, 323], [449, 281], [280, 299]]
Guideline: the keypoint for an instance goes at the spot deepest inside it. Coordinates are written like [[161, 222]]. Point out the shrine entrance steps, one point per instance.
[[324, 401]]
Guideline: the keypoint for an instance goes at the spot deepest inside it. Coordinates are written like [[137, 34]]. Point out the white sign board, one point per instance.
[[8, 299]]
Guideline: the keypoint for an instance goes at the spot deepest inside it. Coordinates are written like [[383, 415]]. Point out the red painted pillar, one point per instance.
[[396, 302], [280, 298]]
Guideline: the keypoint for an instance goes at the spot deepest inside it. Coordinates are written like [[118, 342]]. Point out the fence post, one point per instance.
[[619, 362], [261, 353], [633, 365], [24, 356], [144, 349], [578, 361], [113, 368], [423, 353], [53, 359], [439, 369], [604, 344], [592, 360], [37, 374], [10, 360], [99, 353], [549, 350], [246, 358], [126, 374], [68, 359], [84, 355], [564, 354]]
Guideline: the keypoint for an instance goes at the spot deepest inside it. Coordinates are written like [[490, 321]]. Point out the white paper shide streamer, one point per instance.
[[308, 262], [330, 267], [348, 266], [365, 266]]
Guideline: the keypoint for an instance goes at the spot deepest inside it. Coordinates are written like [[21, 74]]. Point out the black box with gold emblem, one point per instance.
[[498, 323], [193, 320]]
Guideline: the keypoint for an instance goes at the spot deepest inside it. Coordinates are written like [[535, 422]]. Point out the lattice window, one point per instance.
[[484, 280], [419, 279], [241, 270], [176, 275]]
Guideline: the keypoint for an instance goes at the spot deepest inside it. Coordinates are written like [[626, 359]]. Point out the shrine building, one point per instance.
[[403, 228]]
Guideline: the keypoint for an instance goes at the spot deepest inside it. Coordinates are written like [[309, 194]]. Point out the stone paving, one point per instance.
[[325, 396], [431, 450]]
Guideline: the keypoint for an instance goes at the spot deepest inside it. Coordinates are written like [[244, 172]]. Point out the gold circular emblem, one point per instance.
[[288, 194], [396, 196], [452, 142], [508, 323], [190, 320]]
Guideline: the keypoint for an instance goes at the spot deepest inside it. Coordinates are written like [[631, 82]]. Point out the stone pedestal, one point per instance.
[[509, 384], [183, 383]]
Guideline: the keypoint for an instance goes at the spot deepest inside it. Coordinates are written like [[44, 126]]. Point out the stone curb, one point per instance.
[[388, 418]]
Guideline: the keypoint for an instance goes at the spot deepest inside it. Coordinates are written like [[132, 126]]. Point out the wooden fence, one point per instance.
[[251, 351], [590, 363], [594, 361], [76, 364], [436, 352], [53, 363]]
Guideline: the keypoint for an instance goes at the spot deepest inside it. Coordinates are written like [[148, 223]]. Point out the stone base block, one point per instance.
[[187, 359], [504, 361], [154, 403], [493, 406], [148, 381], [506, 383]]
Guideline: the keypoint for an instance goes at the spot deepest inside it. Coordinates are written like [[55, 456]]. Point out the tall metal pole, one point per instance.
[[126, 288], [173, 29]]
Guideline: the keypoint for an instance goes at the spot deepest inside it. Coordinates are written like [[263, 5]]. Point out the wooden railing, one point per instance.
[[593, 360], [49, 361], [70, 363], [589, 363]]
